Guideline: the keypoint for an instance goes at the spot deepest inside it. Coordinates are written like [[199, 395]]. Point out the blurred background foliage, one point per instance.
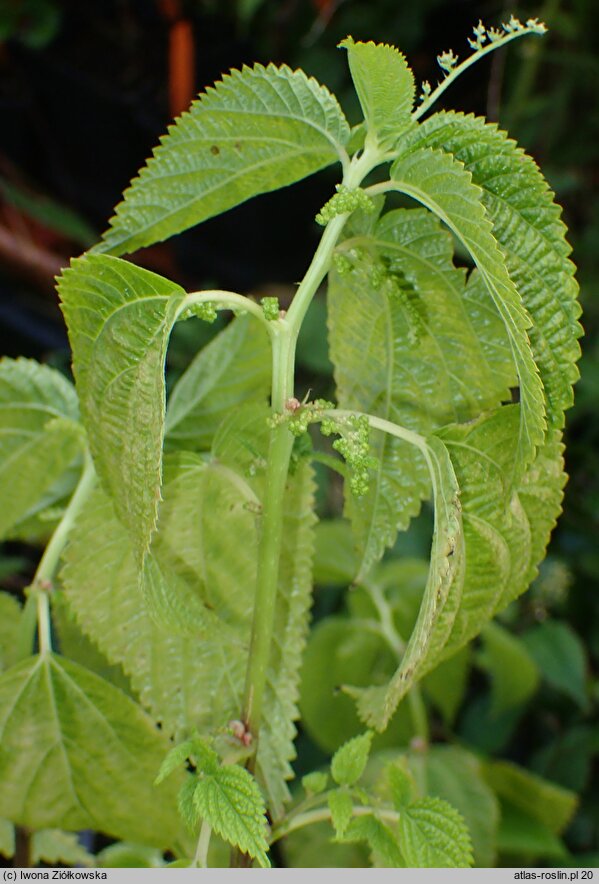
[[85, 91]]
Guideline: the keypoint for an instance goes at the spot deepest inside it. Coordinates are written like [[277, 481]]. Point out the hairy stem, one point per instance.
[[284, 334], [472, 59], [228, 301], [321, 814], [269, 552], [200, 859], [42, 582]]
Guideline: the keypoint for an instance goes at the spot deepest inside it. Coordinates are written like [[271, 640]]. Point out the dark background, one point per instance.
[[86, 88]]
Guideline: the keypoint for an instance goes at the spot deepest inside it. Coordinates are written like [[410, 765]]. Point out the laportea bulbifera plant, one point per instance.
[[183, 537]]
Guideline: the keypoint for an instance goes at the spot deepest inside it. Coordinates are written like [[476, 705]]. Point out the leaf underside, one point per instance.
[[77, 753], [182, 636], [257, 130], [39, 435]]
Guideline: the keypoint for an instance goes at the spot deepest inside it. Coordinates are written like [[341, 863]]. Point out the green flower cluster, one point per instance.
[[345, 201], [271, 308], [354, 446]]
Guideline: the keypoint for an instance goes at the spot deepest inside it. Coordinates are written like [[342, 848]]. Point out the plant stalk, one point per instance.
[[46, 570]]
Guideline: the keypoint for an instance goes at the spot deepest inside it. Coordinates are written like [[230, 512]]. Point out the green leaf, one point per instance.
[[385, 87], [441, 597], [551, 805], [7, 839], [341, 807], [10, 619], [55, 847], [316, 782], [194, 678], [186, 680], [379, 837], [434, 835], [294, 597], [446, 684], [560, 655], [514, 674], [401, 784], [527, 226], [229, 800], [349, 761], [119, 318], [334, 557], [39, 435], [456, 776], [179, 754], [441, 184], [54, 717], [523, 836], [232, 369], [256, 131], [342, 651], [457, 365], [124, 855], [72, 643]]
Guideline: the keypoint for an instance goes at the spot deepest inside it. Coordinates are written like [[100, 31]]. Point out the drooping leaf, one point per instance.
[[527, 226], [229, 800], [119, 318], [349, 761], [560, 655], [39, 434], [256, 131], [434, 835], [232, 369], [441, 184], [385, 87], [456, 366], [78, 753], [441, 597], [514, 673]]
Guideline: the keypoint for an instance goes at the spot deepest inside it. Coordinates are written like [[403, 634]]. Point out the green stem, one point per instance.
[[321, 814], [200, 859], [355, 173], [460, 68], [228, 301], [284, 333], [269, 552], [418, 714], [42, 582]]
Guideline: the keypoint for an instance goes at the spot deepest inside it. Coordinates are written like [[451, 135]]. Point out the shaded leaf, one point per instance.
[[232, 369], [55, 718], [39, 435], [119, 318]]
